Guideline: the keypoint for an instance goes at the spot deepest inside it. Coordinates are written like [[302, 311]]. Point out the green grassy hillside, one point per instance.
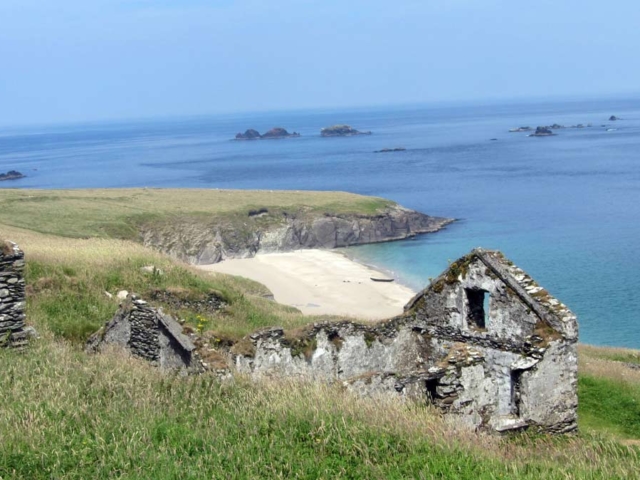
[[116, 213], [66, 414]]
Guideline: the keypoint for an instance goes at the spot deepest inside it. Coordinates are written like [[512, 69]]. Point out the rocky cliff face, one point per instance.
[[202, 241]]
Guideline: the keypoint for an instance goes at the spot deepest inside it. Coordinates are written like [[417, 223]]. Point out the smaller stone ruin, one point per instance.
[[12, 297], [148, 334]]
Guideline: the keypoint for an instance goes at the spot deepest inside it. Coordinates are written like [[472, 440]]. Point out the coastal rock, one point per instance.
[[520, 129], [250, 134], [387, 150], [11, 175], [341, 131], [279, 132], [276, 132], [542, 132], [199, 242], [613, 118]]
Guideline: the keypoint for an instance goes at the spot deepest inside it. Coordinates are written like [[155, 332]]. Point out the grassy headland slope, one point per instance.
[[206, 226], [116, 213], [71, 415]]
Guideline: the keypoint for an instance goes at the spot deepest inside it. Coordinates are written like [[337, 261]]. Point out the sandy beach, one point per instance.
[[320, 282]]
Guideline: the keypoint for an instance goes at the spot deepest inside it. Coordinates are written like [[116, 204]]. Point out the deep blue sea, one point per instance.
[[564, 208]]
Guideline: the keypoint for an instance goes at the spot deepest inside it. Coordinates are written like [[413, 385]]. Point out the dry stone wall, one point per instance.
[[148, 334], [12, 296]]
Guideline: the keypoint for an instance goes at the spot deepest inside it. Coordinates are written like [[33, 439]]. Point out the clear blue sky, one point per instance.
[[75, 60]]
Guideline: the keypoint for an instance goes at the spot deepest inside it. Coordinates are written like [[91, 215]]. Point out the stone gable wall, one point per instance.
[[148, 334], [515, 370]]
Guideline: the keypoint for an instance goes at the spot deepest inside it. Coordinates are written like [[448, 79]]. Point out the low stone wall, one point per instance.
[[12, 296]]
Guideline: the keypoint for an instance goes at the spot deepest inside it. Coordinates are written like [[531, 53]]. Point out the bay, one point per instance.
[[564, 208]]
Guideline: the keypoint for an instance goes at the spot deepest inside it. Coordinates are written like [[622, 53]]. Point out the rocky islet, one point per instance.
[[274, 133], [11, 175]]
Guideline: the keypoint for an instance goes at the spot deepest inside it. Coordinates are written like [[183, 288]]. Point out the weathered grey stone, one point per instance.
[[510, 367], [12, 296], [201, 243], [149, 334]]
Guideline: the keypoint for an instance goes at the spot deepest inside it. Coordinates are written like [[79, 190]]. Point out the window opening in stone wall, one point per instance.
[[478, 301], [516, 383], [432, 393]]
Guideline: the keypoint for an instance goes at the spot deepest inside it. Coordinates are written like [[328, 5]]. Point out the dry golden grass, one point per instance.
[[601, 362], [93, 252]]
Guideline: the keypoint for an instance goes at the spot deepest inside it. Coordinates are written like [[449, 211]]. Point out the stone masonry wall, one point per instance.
[[148, 334], [505, 364], [12, 296]]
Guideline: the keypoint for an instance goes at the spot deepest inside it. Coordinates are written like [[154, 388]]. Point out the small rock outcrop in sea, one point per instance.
[[613, 118], [542, 132], [483, 343], [520, 129], [279, 132], [250, 134], [341, 131], [387, 150], [11, 175], [276, 132]]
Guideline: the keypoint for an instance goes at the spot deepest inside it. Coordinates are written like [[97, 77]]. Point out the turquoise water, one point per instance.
[[564, 208]]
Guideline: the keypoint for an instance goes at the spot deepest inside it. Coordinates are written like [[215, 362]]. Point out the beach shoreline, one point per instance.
[[322, 282]]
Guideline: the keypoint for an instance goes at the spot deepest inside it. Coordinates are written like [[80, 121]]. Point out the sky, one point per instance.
[[86, 60]]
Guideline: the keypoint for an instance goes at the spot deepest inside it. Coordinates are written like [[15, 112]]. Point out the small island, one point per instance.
[[274, 133], [613, 118], [387, 150], [520, 129], [11, 175], [542, 132], [341, 131]]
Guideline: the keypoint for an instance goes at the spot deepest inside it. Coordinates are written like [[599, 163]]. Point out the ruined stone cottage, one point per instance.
[[483, 342], [148, 334], [12, 296]]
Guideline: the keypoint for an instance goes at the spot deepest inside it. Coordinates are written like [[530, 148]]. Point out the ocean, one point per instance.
[[564, 208]]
